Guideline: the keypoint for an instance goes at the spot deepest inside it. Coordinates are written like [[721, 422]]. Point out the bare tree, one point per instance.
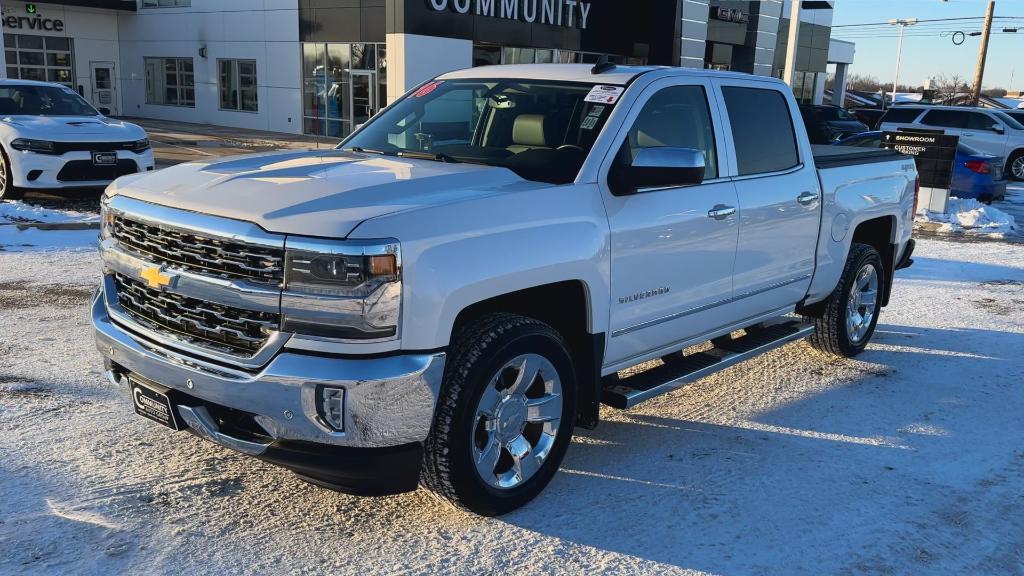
[[951, 89]]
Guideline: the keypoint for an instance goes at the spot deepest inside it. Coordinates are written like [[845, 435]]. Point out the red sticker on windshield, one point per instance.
[[427, 88]]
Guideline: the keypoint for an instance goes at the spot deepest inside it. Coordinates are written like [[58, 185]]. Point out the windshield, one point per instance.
[[41, 100], [1013, 123], [541, 130]]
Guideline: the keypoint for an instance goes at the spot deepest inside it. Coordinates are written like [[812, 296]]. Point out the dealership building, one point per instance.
[[325, 66]]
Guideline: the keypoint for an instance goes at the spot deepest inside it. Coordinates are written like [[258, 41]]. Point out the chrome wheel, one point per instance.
[[517, 420], [861, 304], [1017, 168], [3, 175]]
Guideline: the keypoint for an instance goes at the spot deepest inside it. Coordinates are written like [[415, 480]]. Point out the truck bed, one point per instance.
[[826, 156]]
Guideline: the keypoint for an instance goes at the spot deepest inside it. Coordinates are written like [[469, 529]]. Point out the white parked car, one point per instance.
[[50, 137], [989, 130]]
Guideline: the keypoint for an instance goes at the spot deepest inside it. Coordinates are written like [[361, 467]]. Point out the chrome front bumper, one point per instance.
[[389, 401]]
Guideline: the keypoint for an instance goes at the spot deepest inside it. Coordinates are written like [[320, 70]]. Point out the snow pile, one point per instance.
[[20, 212], [968, 216]]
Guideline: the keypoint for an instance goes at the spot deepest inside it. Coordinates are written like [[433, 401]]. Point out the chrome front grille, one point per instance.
[[191, 251], [213, 326]]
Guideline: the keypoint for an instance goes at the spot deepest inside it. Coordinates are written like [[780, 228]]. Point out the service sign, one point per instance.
[[933, 152]]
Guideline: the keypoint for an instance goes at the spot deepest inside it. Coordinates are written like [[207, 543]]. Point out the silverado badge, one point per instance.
[[155, 277]]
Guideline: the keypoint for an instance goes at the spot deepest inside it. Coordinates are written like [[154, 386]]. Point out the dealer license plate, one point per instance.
[[104, 158], [153, 401]]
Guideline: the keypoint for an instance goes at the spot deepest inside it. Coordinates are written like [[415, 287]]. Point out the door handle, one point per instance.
[[721, 212], [807, 198]]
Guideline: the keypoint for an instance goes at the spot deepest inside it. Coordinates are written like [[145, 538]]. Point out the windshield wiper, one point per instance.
[[367, 150], [436, 156]]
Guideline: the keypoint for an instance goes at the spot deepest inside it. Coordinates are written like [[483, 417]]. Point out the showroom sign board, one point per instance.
[[933, 152], [565, 13]]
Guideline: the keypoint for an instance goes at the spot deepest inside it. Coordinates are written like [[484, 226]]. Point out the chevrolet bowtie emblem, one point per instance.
[[155, 277]]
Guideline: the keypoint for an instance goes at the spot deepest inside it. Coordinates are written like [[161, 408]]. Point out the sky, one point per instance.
[[926, 52]]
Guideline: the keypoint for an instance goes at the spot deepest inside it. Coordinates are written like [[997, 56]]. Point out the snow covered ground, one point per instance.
[[907, 460], [27, 226], [968, 216]]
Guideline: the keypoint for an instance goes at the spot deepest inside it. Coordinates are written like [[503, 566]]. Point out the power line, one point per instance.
[[930, 20]]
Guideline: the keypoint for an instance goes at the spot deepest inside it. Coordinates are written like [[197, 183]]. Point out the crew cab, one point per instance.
[[444, 298], [51, 138]]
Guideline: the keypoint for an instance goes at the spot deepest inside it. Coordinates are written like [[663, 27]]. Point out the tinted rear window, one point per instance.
[[901, 115], [761, 129], [946, 118]]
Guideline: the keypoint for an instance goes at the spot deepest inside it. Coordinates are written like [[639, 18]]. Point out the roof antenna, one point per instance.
[[603, 65]]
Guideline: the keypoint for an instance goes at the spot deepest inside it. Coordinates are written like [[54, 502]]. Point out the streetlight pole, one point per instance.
[[902, 23]]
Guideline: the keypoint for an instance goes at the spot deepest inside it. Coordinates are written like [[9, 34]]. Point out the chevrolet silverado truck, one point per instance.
[[468, 277]]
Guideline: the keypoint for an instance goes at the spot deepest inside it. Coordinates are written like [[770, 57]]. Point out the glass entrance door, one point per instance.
[[363, 98]]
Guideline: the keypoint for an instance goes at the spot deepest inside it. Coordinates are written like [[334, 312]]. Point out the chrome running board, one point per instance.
[[628, 392]]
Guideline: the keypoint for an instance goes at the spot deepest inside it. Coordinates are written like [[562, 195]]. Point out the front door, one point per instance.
[[672, 249], [104, 93], [363, 97]]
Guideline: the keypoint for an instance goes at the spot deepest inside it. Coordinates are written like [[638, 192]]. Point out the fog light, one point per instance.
[[332, 407]]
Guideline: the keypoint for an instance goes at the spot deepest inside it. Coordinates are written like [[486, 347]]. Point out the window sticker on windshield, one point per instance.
[[596, 111], [604, 94], [588, 123], [427, 88]]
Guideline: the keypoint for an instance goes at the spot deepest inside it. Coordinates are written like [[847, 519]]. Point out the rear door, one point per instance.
[[981, 135], [672, 249], [779, 197]]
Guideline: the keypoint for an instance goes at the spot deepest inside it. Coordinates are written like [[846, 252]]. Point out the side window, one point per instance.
[[679, 117], [901, 115], [762, 130], [945, 118], [979, 121]]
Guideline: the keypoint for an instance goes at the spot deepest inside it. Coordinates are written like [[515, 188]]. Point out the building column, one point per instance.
[[694, 33], [818, 91], [413, 59], [766, 30], [839, 85]]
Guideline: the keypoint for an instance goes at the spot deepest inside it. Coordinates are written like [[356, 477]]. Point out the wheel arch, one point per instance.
[[566, 307]]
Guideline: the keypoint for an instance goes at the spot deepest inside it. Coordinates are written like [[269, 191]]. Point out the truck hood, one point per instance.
[[74, 128], [315, 193]]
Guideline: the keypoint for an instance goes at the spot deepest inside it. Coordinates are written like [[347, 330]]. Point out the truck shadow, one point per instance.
[[831, 482]]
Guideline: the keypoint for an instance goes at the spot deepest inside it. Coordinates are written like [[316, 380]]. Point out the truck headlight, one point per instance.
[[141, 145], [30, 145], [346, 290]]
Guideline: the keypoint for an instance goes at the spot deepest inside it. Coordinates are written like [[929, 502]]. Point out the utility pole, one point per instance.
[[979, 71], [902, 23]]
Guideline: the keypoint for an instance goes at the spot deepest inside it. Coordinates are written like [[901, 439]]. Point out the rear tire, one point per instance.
[[850, 313], [7, 189], [504, 417]]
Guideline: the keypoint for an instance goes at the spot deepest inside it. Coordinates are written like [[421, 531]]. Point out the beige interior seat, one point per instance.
[[528, 133]]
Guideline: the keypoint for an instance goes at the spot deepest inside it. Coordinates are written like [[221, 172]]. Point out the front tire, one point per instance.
[[7, 189], [1016, 165], [504, 417], [850, 314]]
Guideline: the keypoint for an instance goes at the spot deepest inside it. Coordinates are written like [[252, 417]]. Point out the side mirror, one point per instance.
[[998, 128], [658, 167], [104, 110]]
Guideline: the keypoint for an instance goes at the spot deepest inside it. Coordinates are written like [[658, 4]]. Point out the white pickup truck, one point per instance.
[[443, 298]]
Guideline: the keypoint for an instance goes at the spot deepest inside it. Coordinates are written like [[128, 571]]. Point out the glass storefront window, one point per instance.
[[327, 87], [170, 81], [39, 58]]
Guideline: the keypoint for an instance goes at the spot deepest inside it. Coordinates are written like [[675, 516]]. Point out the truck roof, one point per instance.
[[619, 75]]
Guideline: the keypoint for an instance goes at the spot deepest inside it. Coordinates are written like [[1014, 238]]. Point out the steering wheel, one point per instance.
[[569, 147]]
